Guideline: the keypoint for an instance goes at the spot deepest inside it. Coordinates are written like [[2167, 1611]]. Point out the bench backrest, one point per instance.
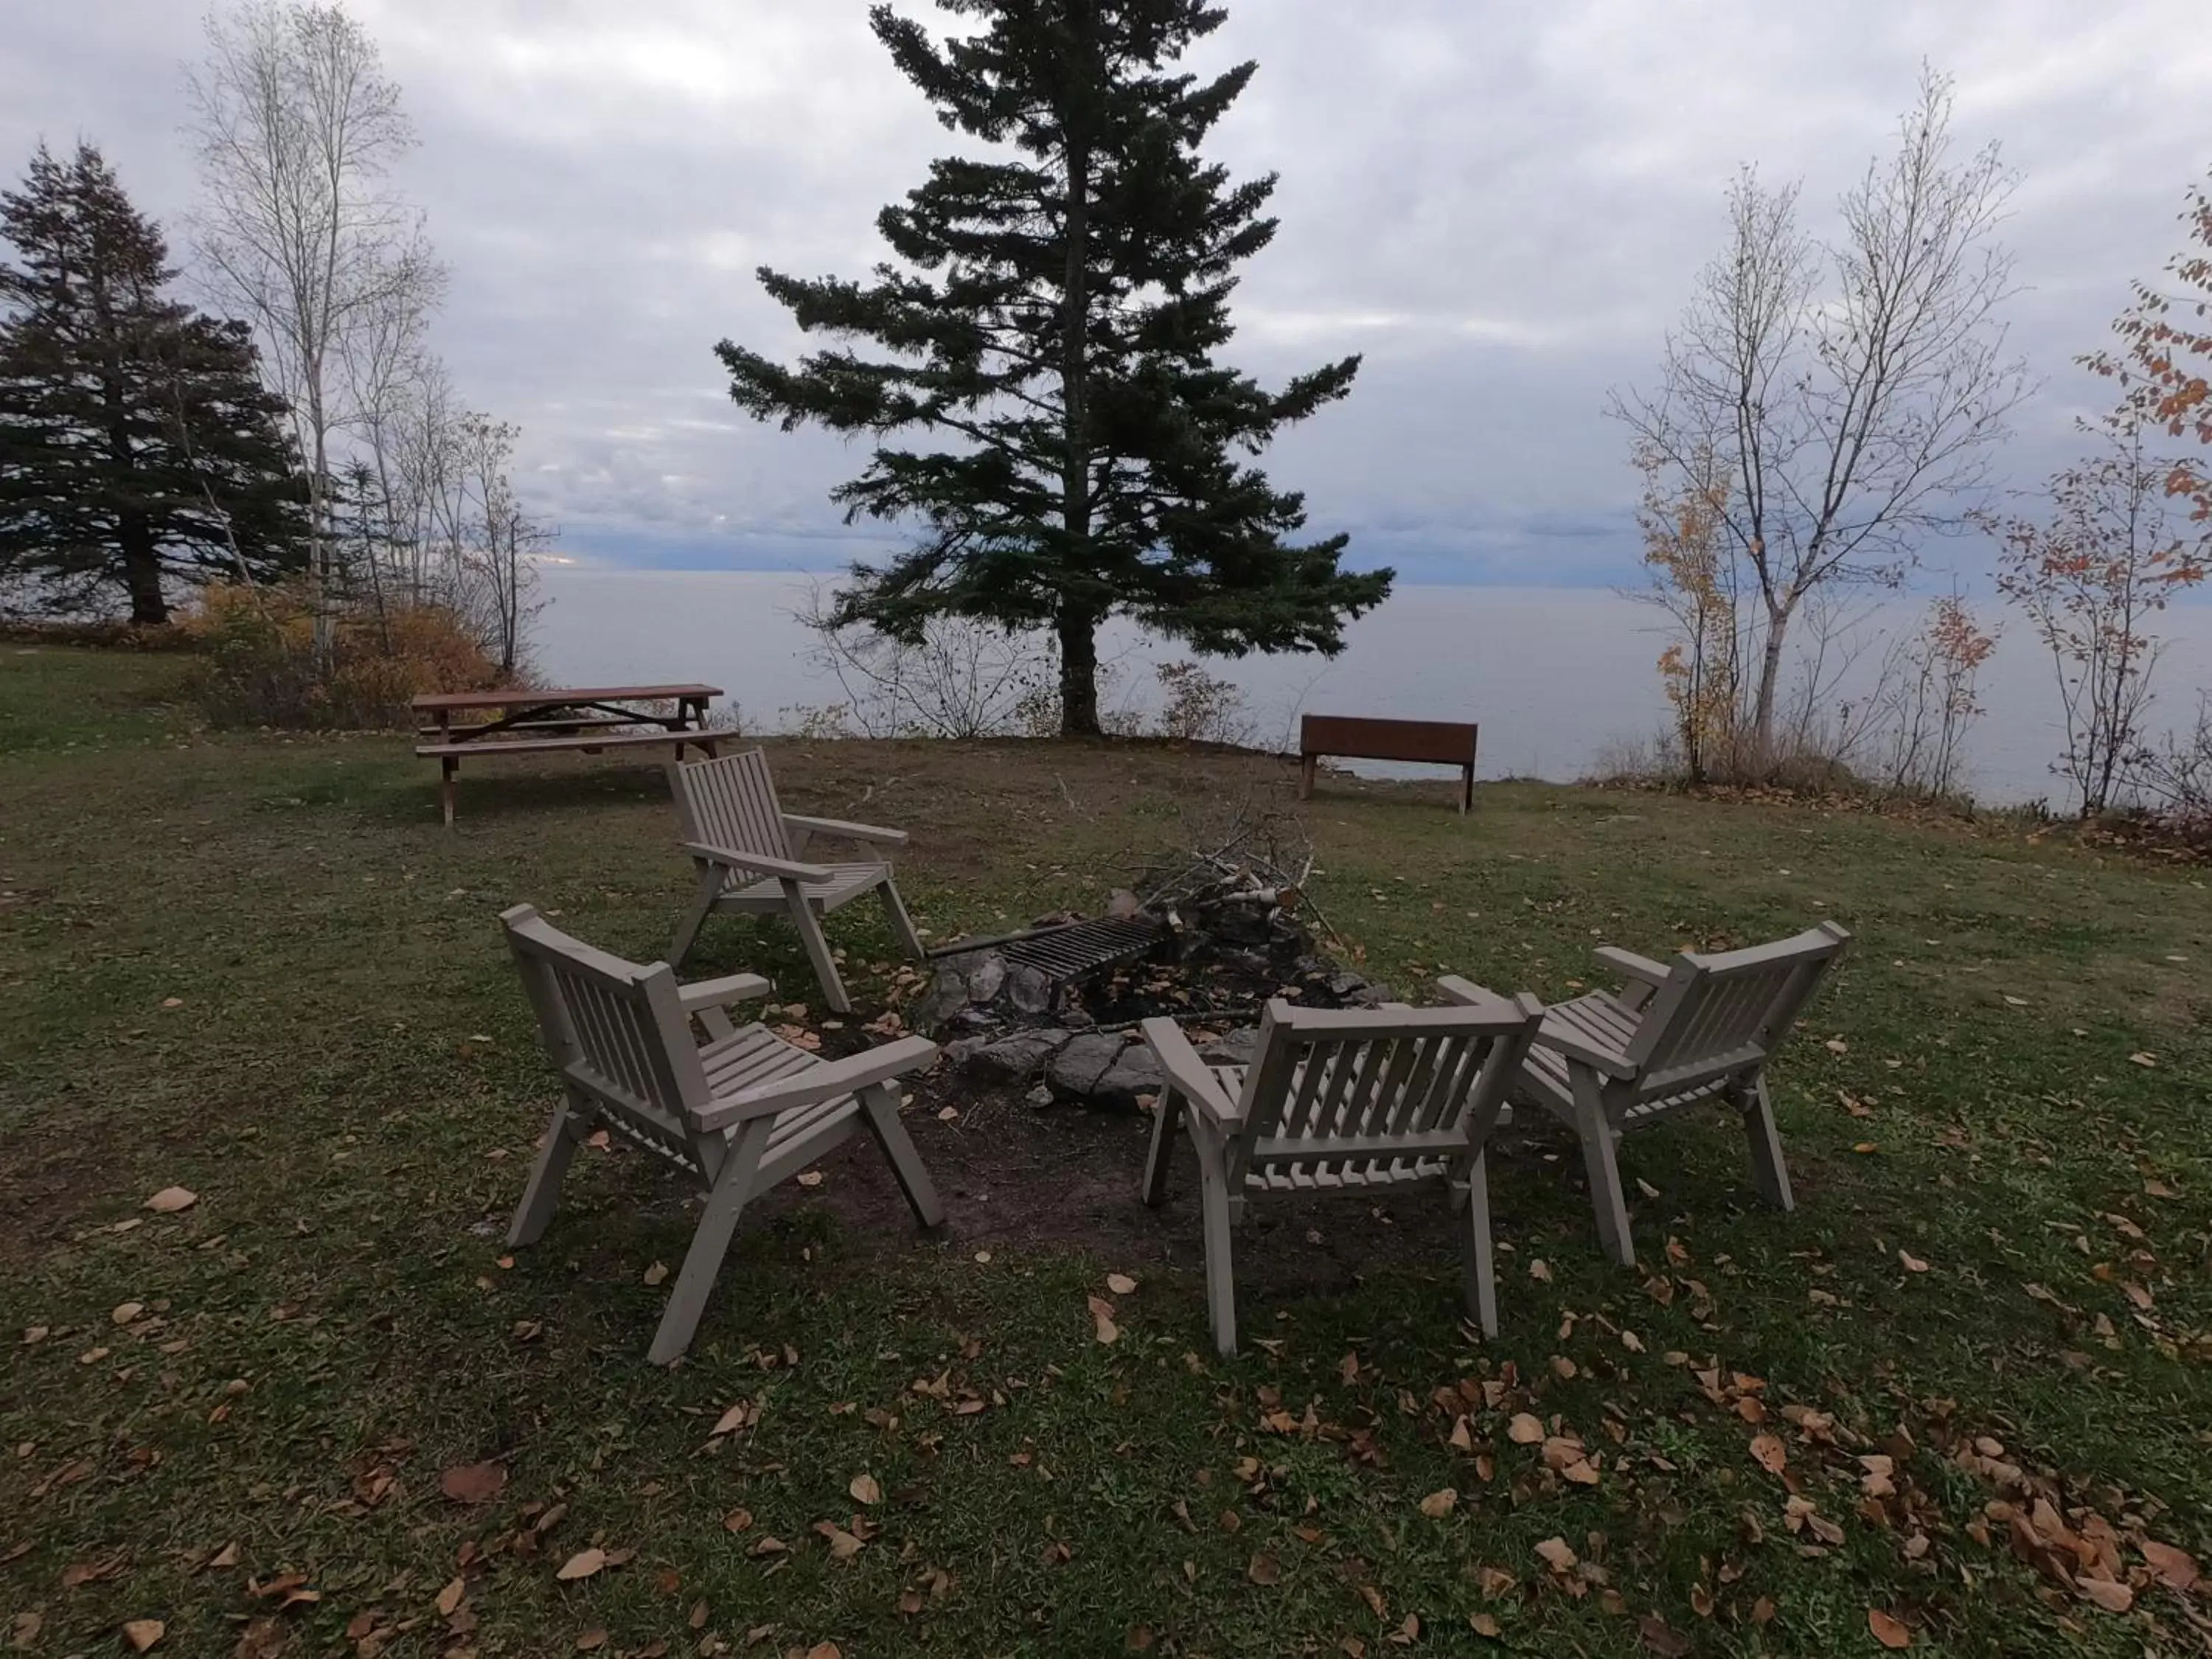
[[1381, 1084], [1729, 1011], [616, 1032], [731, 802], [1443, 742]]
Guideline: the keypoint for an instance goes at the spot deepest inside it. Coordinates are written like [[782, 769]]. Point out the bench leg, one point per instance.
[[1467, 790], [1601, 1163], [712, 879], [901, 924], [1220, 1277], [1308, 765], [449, 767]]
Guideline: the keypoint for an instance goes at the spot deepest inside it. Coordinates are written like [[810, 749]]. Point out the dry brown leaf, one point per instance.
[[2177, 1569], [1438, 1504], [582, 1564], [168, 1201], [1662, 1638], [592, 1641], [824, 1650], [2108, 1594], [452, 1596], [1769, 1453], [738, 1520], [843, 1545], [2145, 1061], [1264, 1569], [1102, 1313], [865, 1490], [734, 1418], [1557, 1555], [1120, 1284], [1887, 1631], [1541, 1270], [227, 1556], [1484, 1624], [472, 1483], [124, 1312], [810, 1178], [1524, 1430], [144, 1633], [1911, 1263], [656, 1272]]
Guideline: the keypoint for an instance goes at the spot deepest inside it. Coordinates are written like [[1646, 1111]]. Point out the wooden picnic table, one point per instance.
[[541, 720]]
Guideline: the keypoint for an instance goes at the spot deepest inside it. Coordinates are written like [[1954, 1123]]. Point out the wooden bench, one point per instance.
[[448, 755], [1436, 743]]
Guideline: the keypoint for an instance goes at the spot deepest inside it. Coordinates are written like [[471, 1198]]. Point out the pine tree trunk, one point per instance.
[[1078, 673], [141, 574], [1078, 623]]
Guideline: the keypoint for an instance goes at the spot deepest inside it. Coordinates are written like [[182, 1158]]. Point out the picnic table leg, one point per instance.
[[448, 766]]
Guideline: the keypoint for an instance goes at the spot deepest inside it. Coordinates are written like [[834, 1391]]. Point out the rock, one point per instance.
[[1087, 1058], [984, 976], [1373, 994], [947, 996], [1239, 924], [1028, 991], [1040, 1096], [1123, 905], [1134, 1071], [1013, 1059], [1346, 984], [1237, 1047]]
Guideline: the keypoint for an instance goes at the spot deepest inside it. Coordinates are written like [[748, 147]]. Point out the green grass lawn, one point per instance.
[[257, 968]]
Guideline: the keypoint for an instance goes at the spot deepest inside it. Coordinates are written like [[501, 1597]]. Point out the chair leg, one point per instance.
[[712, 877], [543, 1191], [880, 1103], [1596, 1133], [817, 948], [901, 924], [1164, 1124], [1481, 1264], [1767, 1167], [702, 1262], [1220, 1283]]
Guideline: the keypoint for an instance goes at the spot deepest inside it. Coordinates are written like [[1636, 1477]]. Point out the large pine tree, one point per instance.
[[137, 444], [1056, 316]]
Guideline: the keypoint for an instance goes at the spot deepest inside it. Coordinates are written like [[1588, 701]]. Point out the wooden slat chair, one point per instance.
[[738, 1112], [1698, 1031], [1359, 1101], [749, 855]]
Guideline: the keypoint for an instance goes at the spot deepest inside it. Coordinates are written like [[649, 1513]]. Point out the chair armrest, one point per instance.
[[722, 992], [758, 863], [868, 833], [834, 1077], [1555, 1035], [1186, 1071], [1628, 963]]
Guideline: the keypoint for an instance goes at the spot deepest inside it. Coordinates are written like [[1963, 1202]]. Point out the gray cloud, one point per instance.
[[1502, 205]]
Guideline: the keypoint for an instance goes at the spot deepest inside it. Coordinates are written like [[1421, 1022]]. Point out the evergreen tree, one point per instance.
[[1058, 317], [136, 441]]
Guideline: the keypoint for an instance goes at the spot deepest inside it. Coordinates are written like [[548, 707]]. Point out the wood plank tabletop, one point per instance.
[[557, 696]]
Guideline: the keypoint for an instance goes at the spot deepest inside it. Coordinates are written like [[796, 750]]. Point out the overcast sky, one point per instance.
[[1502, 204]]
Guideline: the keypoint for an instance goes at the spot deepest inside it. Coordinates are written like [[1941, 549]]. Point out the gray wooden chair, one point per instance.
[[737, 1112], [1361, 1101], [1699, 1029], [749, 855]]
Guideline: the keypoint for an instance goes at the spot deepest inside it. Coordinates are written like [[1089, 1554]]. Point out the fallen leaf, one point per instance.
[[168, 1201], [739, 1520], [1662, 1638], [452, 1596], [1524, 1430], [144, 1633], [865, 1490], [843, 1545], [656, 1272], [2143, 1060], [1102, 1311], [1768, 1451], [1484, 1624], [1911, 1263], [1264, 1569], [1120, 1284], [1887, 1631], [124, 1312], [591, 1641], [227, 1556], [734, 1418], [1837, 1046], [473, 1483], [1541, 1270], [1557, 1556], [2176, 1568], [582, 1564], [824, 1650], [1438, 1504], [2108, 1594], [810, 1177]]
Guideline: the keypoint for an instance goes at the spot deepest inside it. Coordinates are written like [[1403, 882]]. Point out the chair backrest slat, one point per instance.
[[1380, 1088], [730, 801], [1732, 1008], [616, 1031]]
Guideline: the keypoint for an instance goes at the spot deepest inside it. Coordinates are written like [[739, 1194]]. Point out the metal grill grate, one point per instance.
[[1082, 947]]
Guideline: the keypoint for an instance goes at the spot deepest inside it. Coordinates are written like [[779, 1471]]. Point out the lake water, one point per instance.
[[1555, 676]]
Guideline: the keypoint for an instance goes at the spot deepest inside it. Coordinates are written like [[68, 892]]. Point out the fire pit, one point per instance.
[[1058, 1005]]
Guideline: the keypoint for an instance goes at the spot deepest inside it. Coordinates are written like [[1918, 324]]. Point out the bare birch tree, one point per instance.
[[1852, 393], [297, 129]]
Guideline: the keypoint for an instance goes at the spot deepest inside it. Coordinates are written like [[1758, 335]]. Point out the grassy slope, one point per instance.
[[331, 1327]]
